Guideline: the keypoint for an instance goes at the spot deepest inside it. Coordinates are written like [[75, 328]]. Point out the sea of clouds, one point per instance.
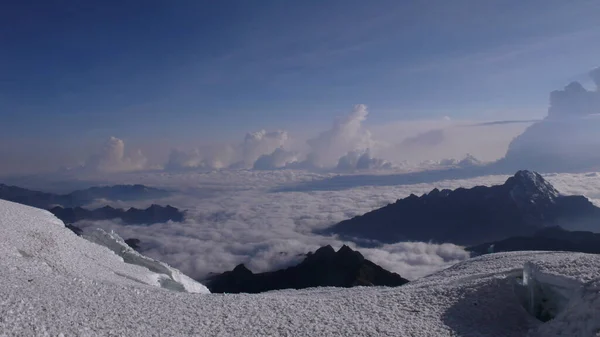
[[245, 216]]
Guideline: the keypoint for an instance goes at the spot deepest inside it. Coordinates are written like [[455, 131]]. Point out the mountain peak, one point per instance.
[[242, 269], [531, 187]]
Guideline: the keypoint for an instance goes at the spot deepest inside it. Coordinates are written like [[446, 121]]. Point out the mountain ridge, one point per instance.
[[79, 198], [522, 205], [323, 268], [133, 216]]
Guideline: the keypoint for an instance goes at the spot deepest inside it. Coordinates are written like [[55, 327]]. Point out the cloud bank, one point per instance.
[[567, 139], [280, 158], [347, 145], [113, 158], [346, 135], [238, 156], [362, 160]]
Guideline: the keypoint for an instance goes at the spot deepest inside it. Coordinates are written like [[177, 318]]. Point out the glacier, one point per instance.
[[56, 283]]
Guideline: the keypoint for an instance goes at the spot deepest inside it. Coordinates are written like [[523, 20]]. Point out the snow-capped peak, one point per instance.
[[530, 187]]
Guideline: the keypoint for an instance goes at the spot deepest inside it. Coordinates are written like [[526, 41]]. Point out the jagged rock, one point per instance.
[[323, 268], [525, 203], [133, 243]]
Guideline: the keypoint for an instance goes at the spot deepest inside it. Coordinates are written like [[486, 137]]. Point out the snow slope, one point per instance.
[[34, 241], [54, 282], [166, 276]]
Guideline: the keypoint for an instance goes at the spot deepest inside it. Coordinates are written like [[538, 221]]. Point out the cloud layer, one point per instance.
[[235, 217], [243, 221]]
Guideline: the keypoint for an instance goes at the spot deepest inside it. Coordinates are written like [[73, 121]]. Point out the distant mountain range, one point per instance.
[[524, 204], [67, 207], [132, 216], [323, 268], [80, 197], [550, 239]]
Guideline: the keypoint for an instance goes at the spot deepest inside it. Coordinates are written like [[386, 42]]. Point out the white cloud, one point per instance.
[[347, 134], [113, 158], [468, 161], [362, 160], [567, 139], [348, 145], [280, 158], [235, 217], [575, 100], [243, 221], [239, 156], [260, 143]]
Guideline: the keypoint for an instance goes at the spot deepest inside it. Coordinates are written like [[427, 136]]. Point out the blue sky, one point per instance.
[[215, 69]]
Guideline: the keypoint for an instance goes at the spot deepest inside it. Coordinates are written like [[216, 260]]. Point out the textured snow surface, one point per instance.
[[54, 282], [167, 277]]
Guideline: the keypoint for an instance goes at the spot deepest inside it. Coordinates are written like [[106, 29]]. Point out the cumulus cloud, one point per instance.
[[113, 158], [361, 160], [567, 139], [260, 143], [263, 150], [280, 158], [468, 161], [180, 160], [207, 157], [575, 100], [347, 134], [238, 156]]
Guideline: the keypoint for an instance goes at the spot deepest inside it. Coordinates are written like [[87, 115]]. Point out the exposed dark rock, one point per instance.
[[75, 229], [117, 192], [524, 204], [133, 243], [133, 216], [323, 268], [550, 239]]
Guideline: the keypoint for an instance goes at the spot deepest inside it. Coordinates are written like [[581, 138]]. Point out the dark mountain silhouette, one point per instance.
[[117, 192], [524, 204], [551, 238], [132, 216], [32, 198], [80, 197], [323, 268]]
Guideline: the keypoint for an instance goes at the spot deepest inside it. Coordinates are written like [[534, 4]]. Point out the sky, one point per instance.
[[161, 74]]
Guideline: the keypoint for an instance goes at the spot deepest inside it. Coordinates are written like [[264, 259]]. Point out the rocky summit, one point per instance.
[[323, 268]]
